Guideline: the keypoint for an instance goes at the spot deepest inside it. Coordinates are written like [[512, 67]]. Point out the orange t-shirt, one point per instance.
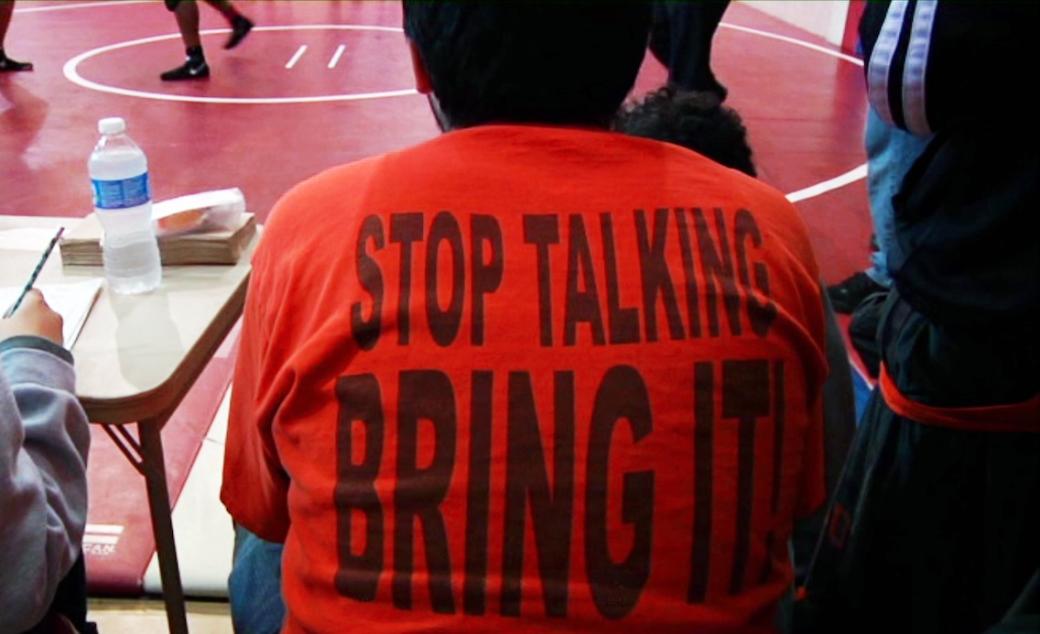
[[525, 378]]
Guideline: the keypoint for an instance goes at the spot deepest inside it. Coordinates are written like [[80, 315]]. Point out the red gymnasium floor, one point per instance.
[[274, 113]]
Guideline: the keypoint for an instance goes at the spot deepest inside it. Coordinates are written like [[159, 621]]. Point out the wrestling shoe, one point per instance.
[[8, 65], [240, 28], [191, 69]]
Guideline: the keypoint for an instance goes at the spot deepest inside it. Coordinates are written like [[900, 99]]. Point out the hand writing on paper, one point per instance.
[[33, 317]]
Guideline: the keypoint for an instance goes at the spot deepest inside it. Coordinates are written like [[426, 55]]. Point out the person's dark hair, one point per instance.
[[693, 120], [529, 62]]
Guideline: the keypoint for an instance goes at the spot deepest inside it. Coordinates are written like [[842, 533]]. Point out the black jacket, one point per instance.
[[967, 253]]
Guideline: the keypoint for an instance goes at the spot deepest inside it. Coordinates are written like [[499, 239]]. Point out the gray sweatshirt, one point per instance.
[[43, 487]]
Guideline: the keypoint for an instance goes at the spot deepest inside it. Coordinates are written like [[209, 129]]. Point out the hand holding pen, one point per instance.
[[30, 314]]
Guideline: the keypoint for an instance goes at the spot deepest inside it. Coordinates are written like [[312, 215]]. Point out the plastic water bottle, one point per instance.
[[123, 204]]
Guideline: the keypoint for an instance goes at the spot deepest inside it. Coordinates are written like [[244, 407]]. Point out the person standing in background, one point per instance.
[[187, 12], [933, 528]]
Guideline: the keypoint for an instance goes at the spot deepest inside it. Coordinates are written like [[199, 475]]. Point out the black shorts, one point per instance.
[[931, 529], [172, 4]]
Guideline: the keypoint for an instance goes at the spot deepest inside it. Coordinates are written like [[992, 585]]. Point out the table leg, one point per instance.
[[154, 467]]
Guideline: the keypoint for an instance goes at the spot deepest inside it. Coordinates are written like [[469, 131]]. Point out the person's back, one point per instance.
[[530, 377]]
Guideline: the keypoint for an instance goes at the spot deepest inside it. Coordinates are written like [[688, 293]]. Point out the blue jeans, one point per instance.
[[255, 585], [890, 153]]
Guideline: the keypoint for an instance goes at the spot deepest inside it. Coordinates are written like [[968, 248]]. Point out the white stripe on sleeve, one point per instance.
[[914, 71], [880, 62]]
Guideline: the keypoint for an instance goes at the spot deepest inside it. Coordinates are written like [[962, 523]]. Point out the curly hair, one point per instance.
[[694, 120]]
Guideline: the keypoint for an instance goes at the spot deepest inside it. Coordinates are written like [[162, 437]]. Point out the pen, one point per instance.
[[35, 273]]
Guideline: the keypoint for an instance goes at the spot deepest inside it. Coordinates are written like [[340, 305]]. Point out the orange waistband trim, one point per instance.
[[1014, 417]]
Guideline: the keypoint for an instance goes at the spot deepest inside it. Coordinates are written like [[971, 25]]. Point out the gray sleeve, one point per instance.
[[44, 441]]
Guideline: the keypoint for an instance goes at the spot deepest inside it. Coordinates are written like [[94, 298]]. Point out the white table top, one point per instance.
[[137, 354]]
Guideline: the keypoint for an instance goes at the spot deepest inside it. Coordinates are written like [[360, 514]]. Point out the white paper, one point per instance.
[[201, 200], [72, 301], [220, 211]]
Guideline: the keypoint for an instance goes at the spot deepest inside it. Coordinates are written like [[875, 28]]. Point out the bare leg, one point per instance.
[[188, 22], [6, 63], [6, 9]]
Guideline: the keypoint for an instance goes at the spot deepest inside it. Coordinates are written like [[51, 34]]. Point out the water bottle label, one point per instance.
[[122, 194]]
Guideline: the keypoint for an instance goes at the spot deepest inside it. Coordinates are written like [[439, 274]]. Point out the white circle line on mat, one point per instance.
[[72, 73], [790, 40], [857, 173]]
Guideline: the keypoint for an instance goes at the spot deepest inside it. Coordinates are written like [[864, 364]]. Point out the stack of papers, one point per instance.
[[81, 245]]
